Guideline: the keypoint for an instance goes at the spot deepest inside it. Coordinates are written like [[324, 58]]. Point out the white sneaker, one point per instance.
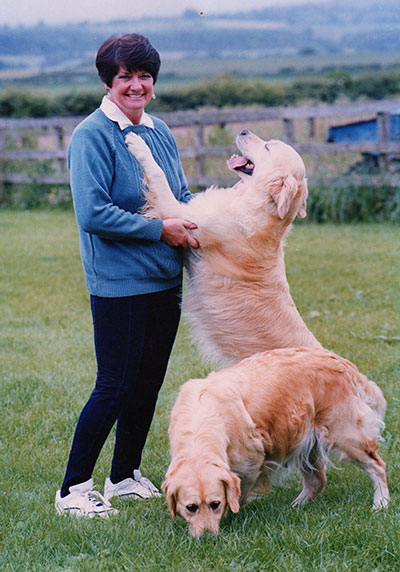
[[138, 488], [84, 501]]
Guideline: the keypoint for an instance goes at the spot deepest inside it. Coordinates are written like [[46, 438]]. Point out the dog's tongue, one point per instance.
[[236, 161]]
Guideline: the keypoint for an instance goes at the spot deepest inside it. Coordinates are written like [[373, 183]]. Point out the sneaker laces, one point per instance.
[[144, 482], [149, 485], [96, 498]]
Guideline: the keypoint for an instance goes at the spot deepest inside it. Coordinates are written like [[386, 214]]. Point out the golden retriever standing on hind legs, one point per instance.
[[238, 299], [283, 408]]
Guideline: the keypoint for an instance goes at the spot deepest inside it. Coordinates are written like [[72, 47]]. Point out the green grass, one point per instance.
[[345, 281]]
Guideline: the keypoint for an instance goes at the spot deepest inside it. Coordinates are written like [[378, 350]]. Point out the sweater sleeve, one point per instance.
[[91, 164], [186, 195]]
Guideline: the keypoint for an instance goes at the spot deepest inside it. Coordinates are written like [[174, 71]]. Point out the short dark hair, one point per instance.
[[132, 51]]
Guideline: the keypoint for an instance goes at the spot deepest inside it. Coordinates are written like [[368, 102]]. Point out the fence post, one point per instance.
[[311, 127], [61, 162], [288, 130], [2, 152], [199, 141], [382, 121]]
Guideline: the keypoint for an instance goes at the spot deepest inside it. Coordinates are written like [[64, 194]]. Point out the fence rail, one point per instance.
[[18, 138]]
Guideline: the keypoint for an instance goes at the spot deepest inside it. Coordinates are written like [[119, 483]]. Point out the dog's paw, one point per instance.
[[382, 502], [302, 499], [137, 147]]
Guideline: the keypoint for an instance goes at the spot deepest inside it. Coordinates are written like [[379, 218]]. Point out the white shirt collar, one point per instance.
[[113, 112]]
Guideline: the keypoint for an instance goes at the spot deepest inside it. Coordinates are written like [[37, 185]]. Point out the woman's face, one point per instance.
[[131, 91]]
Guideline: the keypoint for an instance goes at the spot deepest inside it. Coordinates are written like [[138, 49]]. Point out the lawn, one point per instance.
[[346, 283]]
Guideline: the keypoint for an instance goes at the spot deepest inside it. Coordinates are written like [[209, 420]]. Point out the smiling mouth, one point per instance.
[[240, 163], [134, 95]]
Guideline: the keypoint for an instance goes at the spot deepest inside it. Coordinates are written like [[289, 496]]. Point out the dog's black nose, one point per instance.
[[244, 132]]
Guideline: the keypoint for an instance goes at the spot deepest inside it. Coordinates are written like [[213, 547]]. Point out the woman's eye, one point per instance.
[[214, 505], [192, 507]]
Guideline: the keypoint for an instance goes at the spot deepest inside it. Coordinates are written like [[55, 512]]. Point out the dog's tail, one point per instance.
[[368, 391], [375, 399]]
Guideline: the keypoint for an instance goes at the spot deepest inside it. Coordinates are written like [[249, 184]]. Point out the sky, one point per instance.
[[30, 12]]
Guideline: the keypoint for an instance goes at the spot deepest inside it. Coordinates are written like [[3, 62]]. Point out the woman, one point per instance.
[[133, 272]]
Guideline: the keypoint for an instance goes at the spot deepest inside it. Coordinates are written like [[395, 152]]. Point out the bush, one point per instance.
[[32, 196], [33, 104], [217, 91], [25, 104], [78, 102], [339, 83], [221, 91], [327, 88], [339, 202], [374, 87]]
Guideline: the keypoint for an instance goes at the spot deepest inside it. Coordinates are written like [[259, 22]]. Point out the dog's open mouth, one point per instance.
[[239, 163]]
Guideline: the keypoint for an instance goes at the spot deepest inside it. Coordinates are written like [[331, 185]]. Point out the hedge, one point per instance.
[[218, 91]]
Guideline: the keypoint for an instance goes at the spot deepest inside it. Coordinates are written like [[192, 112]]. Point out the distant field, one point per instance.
[[278, 66], [184, 71]]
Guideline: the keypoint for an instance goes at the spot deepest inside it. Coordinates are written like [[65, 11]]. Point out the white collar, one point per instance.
[[113, 112]]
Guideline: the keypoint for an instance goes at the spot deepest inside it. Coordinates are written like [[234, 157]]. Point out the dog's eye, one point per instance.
[[266, 146], [214, 505], [192, 507]]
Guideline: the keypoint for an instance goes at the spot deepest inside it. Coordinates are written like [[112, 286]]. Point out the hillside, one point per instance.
[[336, 27]]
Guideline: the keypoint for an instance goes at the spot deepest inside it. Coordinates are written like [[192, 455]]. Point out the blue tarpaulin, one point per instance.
[[363, 131]]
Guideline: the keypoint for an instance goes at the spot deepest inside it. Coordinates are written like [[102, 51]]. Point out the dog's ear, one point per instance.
[[283, 190], [302, 212], [170, 495], [232, 487]]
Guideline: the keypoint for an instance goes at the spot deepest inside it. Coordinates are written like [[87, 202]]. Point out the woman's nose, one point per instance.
[[134, 82]]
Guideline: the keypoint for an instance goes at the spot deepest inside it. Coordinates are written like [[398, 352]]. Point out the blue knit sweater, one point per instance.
[[122, 253]]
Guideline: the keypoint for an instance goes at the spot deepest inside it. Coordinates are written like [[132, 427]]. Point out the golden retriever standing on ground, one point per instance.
[[238, 299], [288, 407]]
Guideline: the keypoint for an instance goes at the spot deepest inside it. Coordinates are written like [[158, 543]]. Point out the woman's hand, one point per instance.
[[175, 232]]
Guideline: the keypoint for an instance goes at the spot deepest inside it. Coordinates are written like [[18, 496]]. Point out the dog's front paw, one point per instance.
[[138, 147]]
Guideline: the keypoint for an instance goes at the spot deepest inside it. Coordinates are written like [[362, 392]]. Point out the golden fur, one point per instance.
[[231, 431], [238, 299]]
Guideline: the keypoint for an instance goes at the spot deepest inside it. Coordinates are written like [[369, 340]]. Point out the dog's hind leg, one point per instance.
[[314, 481], [376, 470], [160, 201], [358, 443], [366, 456], [312, 467]]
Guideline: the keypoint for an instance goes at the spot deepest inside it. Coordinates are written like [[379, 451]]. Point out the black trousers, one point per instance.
[[133, 338]]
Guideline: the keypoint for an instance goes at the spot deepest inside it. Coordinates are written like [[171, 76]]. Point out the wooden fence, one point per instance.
[[38, 141]]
